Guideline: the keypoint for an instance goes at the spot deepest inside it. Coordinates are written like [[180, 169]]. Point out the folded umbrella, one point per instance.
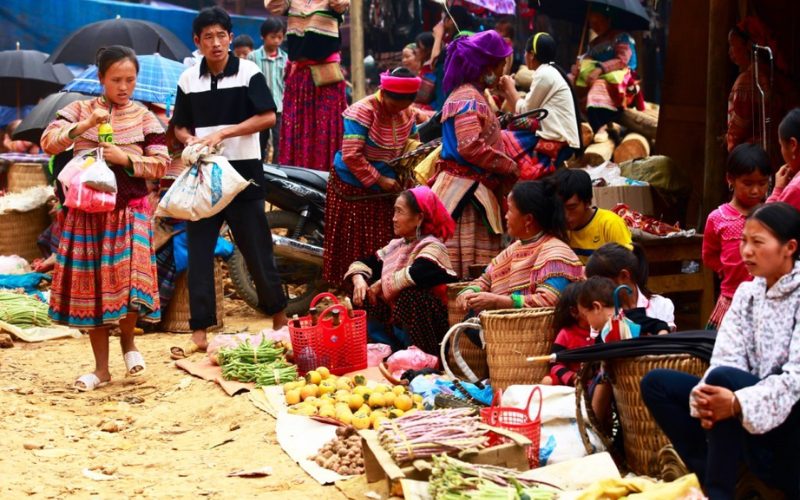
[[28, 77], [156, 83], [144, 37], [42, 114], [698, 343]]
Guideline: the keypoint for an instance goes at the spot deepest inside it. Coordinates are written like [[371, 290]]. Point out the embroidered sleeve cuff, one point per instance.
[[519, 300], [358, 267], [402, 279], [473, 289]]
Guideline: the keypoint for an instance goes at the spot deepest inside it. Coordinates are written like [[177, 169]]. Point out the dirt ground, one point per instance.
[[166, 434]]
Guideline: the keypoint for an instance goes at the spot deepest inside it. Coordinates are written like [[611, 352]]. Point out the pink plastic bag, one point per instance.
[[376, 353], [412, 358], [90, 200]]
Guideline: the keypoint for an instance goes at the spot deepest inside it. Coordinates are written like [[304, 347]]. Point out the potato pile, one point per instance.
[[348, 400], [342, 454]]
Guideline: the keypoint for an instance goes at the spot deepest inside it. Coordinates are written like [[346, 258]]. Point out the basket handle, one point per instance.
[[497, 398], [452, 336], [536, 389], [322, 296], [388, 375], [330, 309]]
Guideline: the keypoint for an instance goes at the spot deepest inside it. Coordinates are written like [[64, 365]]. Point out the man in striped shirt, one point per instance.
[[225, 101]]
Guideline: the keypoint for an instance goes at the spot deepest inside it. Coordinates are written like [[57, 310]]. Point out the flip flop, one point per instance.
[[134, 359], [184, 351], [90, 382]]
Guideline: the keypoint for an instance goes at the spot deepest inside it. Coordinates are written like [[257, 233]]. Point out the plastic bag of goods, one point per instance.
[[412, 358]]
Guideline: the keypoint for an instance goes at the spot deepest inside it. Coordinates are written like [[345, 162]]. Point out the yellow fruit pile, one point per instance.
[[348, 400]]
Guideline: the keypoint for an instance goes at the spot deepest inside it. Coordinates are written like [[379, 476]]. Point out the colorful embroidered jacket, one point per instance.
[[532, 273], [402, 264], [372, 137], [472, 150], [137, 132], [313, 27]]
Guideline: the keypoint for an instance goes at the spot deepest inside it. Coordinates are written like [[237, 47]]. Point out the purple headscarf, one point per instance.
[[469, 56]]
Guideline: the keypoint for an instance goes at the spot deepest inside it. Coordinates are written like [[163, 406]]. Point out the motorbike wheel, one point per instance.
[[301, 281]]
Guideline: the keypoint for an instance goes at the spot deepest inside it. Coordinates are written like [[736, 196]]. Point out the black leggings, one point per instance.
[[715, 454]]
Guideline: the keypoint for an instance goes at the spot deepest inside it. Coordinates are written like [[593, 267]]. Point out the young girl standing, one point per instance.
[[747, 173], [105, 272]]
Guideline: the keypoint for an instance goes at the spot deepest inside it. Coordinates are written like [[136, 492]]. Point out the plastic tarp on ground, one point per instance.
[[43, 24]]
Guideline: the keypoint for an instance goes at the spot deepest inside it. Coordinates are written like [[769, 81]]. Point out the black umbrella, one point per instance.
[[698, 343], [40, 116], [144, 37], [624, 14], [28, 77]]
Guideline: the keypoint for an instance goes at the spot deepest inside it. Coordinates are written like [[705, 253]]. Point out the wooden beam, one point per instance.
[[720, 20], [357, 72]]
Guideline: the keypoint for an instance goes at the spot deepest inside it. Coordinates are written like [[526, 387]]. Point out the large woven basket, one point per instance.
[[19, 231], [642, 437], [512, 335], [22, 176], [176, 318], [473, 355]]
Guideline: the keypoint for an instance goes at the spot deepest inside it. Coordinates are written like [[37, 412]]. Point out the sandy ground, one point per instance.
[[177, 436]]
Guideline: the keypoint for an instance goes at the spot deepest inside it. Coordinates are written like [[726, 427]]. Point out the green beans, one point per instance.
[[23, 311], [264, 365]]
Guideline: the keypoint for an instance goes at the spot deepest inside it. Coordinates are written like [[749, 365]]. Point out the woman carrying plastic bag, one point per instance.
[[105, 271]]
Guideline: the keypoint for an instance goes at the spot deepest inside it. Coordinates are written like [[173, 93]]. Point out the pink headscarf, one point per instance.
[[436, 220]]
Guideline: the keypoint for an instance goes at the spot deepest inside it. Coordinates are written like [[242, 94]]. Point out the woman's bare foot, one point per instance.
[[279, 320]]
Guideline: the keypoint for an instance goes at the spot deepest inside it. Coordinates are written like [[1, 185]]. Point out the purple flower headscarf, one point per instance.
[[469, 56]]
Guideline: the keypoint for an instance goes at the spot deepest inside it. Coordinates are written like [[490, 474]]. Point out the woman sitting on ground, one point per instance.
[[533, 270], [745, 407], [402, 285], [557, 137]]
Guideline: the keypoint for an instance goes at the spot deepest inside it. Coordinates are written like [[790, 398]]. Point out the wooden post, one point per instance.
[[357, 73], [720, 21]]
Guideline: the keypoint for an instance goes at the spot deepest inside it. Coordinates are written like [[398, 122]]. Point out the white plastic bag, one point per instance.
[[99, 176], [203, 189]]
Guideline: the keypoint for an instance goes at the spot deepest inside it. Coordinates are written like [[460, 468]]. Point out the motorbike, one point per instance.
[[297, 219]]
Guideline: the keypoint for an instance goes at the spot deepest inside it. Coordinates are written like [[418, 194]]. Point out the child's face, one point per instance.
[[580, 318], [749, 190], [597, 316], [273, 40], [242, 52]]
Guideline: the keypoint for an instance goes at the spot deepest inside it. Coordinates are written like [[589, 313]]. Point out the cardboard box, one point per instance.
[[639, 198], [379, 464]]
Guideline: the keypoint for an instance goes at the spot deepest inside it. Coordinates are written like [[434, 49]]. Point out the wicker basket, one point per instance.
[[511, 336], [473, 355], [22, 176], [176, 318], [642, 437], [19, 231]]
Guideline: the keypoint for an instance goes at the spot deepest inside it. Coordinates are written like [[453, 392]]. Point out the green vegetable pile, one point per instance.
[[452, 479], [23, 311], [264, 365]]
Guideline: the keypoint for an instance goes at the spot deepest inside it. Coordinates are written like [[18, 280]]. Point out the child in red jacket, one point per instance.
[[573, 332]]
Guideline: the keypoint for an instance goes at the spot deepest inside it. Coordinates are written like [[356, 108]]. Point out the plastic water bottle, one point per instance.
[[105, 133]]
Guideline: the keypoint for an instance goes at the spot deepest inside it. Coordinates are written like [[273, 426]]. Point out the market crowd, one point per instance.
[[494, 207]]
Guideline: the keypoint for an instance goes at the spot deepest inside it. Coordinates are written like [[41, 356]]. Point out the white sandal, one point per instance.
[[90, 382], [134, 359]]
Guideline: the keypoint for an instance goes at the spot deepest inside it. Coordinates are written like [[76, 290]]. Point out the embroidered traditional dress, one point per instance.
[[311, 131], [533, 273], [358, 215], [413, 275], [472, 173], [105, 264], [615, 54]]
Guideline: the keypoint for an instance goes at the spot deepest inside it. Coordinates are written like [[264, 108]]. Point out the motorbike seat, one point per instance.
[[312, 178]]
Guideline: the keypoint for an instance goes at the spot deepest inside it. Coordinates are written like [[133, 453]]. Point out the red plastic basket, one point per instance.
[[516, 420], [341, 348]]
